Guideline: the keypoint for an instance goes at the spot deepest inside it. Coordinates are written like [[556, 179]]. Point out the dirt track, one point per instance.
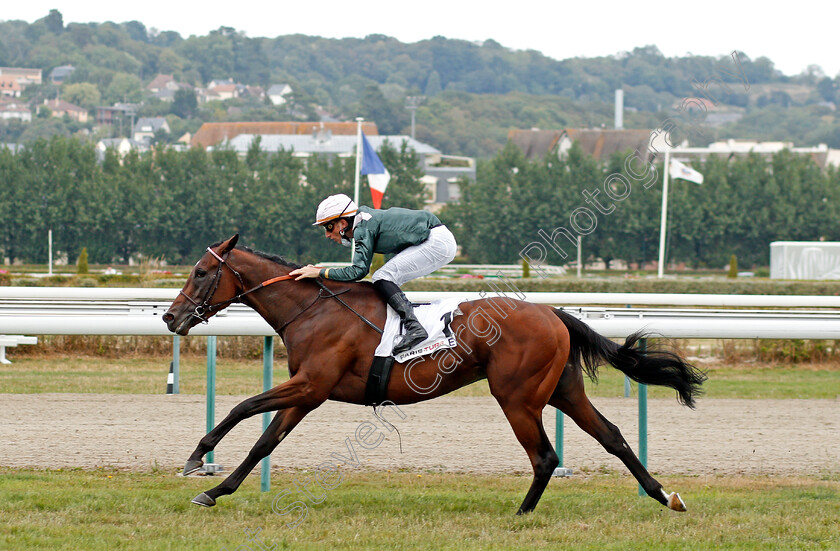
[[449, 434]]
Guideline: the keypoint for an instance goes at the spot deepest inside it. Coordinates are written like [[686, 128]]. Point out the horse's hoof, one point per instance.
[[204, 500], [676, 503], [192, 466]]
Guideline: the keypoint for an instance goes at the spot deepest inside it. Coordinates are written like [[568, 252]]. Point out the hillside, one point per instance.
[[474, 93]]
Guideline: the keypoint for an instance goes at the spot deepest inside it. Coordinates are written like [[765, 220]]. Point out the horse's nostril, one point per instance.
[[167, 317]]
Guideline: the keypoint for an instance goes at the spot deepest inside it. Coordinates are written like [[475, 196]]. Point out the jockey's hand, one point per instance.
[[307, 271]]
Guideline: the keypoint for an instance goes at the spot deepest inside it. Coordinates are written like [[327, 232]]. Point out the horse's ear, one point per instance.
[[228, 245]]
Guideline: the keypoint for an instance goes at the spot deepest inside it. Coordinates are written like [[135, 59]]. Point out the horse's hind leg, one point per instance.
[[277, 430], [570, 398], [528, 429]]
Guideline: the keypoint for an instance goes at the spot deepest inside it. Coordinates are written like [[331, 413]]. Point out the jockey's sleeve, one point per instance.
[[362, 257]]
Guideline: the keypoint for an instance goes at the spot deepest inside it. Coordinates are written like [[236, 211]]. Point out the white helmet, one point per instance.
[[333, 208]]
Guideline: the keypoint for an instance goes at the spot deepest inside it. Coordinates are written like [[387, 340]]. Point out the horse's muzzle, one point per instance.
[[173, 325]]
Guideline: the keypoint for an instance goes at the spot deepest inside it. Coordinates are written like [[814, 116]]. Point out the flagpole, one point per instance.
[[358, 158], [358, 170], [661, 267]]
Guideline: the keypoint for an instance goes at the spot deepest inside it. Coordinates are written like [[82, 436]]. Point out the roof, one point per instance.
[[61, 105], [212, 133], [335, 145], [19, 71], [598, 143], [62, 71], [278, 89], [160, 81], [603, 143], [535, 143]]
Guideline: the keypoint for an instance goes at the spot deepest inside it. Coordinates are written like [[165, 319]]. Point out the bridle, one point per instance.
[[204, 309]]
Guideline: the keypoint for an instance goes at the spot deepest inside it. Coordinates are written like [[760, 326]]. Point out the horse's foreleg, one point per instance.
[[294, 392], [580, 409], [277, 430]]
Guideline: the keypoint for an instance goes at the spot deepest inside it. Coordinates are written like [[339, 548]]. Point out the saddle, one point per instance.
[[435, 318]]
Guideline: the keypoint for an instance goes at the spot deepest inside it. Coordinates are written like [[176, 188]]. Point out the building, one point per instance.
[[441, 172], [122, 146], [61, 73], [213, 133], [224, 91], [60, 108], [821, 154], [24, 76], [147, 127], [162, 82], [117, 113], [15, 111], [10, 87], [277, 93], [596, 142]]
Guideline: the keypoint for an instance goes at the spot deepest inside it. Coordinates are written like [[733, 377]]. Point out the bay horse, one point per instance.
[[531, 355]]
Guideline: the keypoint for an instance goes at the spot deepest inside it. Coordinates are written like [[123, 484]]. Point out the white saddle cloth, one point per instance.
[[434, 319]]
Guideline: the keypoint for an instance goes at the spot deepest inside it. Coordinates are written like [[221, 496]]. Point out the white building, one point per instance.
[[277, 93]]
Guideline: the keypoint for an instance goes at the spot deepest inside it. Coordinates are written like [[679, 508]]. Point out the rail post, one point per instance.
[[176, 364], [268, 365], [643, 448], [211, 388]]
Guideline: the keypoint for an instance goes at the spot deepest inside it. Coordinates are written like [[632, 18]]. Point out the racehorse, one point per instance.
[[531, 355]]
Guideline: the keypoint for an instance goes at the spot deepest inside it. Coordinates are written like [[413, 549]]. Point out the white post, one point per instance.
[[49, 248], [661, 267], [579, 258]]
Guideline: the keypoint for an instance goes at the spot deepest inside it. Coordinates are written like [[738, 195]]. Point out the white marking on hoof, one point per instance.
[[282, 436], [676, 503]]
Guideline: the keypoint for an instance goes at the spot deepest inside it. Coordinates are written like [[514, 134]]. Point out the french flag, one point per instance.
[[377, 174]]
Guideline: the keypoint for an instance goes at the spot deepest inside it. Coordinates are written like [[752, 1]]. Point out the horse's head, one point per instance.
[[211, 286]]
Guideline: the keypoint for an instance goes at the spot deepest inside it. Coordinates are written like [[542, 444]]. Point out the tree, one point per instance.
[[389, 116], [433, 87], [82, 263], [124, 88], [185, 104], [83, 94], [827, 89], [55, 22]]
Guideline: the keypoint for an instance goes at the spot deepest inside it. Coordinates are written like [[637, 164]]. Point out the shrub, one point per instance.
[[82, 264], [733, 267]]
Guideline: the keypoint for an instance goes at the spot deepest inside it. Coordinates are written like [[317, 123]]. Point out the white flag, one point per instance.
[[679, 170]]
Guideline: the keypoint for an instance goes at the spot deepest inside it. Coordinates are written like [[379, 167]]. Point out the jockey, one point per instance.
[[421, 242]]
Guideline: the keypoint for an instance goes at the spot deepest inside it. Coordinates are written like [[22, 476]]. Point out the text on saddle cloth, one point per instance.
[[435, 319]]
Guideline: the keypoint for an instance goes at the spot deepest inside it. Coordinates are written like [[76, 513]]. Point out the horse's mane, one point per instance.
[[273, 257], [268, 256]]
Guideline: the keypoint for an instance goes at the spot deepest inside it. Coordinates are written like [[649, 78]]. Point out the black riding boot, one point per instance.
[[414, 332]]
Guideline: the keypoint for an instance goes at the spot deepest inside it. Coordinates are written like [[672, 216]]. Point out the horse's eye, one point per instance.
[[200, 273]]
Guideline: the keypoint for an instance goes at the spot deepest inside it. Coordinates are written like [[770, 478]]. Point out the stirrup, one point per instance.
[[409, 341]]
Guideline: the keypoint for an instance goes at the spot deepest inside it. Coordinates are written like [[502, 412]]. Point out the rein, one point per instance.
[[204, 308]]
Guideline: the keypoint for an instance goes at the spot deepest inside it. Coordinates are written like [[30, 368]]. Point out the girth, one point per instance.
[[376, 389]]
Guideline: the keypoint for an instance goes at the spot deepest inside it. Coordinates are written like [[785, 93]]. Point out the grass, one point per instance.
[[147, 375], [104, 509]]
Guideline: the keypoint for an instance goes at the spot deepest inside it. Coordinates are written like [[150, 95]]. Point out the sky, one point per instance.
[[793, 38]]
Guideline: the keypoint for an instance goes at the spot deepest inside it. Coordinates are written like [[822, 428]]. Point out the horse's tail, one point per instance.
[[588, 349]]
